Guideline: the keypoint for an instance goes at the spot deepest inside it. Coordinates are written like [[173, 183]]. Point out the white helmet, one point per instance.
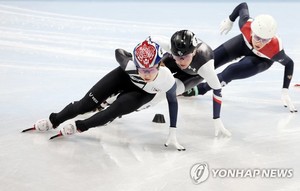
[[264, 26]]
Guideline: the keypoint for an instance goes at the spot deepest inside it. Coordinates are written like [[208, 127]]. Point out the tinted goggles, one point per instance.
[[151, 70], [262, 40], [183, 57]]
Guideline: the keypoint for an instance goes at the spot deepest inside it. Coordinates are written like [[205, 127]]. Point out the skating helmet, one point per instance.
[[147, 54], [183, 42], [264, 26]]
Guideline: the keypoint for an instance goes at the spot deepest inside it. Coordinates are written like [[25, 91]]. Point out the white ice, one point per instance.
[[51, 53]]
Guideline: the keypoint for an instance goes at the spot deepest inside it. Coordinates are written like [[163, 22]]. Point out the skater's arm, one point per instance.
[[173, 105], [123, 57], [288, 63], [242, 12], [173, 110], [207, 71]]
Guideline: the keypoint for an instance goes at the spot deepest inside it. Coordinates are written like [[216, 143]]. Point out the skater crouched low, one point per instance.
[[138, 79]]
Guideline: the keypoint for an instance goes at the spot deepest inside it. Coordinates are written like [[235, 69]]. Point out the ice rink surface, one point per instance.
[[52, 52]]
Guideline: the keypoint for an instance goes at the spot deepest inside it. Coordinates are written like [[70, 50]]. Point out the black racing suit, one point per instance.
[[130, 99]]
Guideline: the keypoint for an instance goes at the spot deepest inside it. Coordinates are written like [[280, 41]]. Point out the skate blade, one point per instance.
[[55, 136], [29, 129]]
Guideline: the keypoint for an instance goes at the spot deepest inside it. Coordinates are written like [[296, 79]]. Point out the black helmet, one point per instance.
[[183, 42]]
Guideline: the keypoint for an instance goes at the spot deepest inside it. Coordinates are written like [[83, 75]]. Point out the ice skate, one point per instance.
[[41, 125], [69, 129], [191, 92]]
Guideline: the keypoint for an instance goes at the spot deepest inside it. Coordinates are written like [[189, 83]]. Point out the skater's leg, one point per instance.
[[109, 84], [124, 104], [245, 68]]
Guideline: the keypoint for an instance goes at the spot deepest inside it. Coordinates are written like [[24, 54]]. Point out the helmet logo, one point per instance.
[[179, 53], [194, 41], [145, 54]]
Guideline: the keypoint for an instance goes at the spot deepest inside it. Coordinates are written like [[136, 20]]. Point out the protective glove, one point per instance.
[[226, 26], [220, 129], [173, 140], [287, 102]]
